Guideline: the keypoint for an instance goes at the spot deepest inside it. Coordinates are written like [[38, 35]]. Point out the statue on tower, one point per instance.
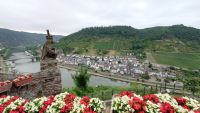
[[47, 51]]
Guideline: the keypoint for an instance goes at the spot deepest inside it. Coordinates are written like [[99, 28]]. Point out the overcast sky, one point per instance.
[[68, 16]]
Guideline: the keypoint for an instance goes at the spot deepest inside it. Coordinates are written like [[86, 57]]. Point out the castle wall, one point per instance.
[[45, 83]]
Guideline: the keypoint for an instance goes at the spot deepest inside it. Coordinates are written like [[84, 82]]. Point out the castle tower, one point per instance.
[[48, 56], [51, 82]]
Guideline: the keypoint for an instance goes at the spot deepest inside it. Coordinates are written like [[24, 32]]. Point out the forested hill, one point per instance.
[[10, 38], [128, 38]]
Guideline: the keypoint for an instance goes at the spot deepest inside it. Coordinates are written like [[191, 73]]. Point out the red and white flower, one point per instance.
[[153, 103]]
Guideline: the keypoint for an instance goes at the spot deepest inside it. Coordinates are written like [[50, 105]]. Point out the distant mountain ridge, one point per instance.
[[126, 37], [11, 38], [176, 45]]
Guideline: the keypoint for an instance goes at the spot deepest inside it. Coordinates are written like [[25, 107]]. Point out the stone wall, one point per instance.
[[45, 83], [50, 80]]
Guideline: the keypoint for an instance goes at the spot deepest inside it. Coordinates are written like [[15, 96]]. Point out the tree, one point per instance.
[[81, 78], [150, 65], [146, 76]]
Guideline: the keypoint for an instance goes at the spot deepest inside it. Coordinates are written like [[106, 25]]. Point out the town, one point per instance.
[[127, 65]]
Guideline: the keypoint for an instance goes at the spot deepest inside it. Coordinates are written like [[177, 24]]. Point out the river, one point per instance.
[[26, 66]]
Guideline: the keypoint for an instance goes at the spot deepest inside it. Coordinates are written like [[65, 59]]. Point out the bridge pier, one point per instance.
[[32, 59]]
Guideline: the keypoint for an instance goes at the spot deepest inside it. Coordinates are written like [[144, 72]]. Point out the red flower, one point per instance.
[[69, 98], [67, 108], [196, 111], [166, 108], [20, 109], [43, 109], [88, 110], [151, 97], [2, 83], [14, 111], [181, 101], [1, 108], [24, 102], [85, 100], [127, 93], [46, 104], [186, 107], [9, 101], [3, 96], [138, 105]]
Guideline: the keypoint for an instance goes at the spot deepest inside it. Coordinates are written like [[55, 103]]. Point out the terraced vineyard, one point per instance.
[[184, 60]]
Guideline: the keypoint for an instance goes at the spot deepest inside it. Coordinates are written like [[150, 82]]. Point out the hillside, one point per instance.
[[171, 38], [10, 38], [118, 40]]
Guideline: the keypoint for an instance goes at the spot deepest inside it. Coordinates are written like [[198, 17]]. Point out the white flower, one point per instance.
[[166, 98], [55, 107], [180, 109], [13, 105], [194, 104], [121, 104], [35, 105], [78, 107], [61, 96], [152, 108], [96, 104], [4, 100]]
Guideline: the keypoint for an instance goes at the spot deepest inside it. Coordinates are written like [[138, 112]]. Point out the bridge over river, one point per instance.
[[33, 58]]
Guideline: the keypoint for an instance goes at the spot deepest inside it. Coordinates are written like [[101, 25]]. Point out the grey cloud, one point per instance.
[[68, 16]]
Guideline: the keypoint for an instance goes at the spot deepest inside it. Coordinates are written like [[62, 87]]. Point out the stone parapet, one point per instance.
[[45, 83], [48, 64]]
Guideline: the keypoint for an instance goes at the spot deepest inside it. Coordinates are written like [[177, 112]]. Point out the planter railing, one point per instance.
[[22, 80], [5, 86]]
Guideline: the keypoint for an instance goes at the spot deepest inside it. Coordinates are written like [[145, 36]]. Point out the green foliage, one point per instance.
[[146, 76], [184, 60], [150, 65], [81, 78], [140, 54], [101, 52], [177, 38], [158, 79], [170, 45], [33, 50], [106, 92], [190, 79], [10, 38], [3, 51], [78, 51]]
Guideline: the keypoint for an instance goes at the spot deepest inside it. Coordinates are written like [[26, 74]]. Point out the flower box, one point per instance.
[[61, 103], [22, 80], [5, 86], [128, 102]]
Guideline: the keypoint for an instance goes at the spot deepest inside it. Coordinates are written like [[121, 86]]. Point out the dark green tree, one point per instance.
[[146, 76], [81, 78]]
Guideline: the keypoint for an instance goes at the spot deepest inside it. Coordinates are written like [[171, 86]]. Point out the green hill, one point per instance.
[[10, 38], [177, 41], [177, 38]]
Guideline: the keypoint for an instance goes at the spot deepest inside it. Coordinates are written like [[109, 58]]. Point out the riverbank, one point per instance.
[[3, 65], [160, 87], [124, 78], [27, 66]]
